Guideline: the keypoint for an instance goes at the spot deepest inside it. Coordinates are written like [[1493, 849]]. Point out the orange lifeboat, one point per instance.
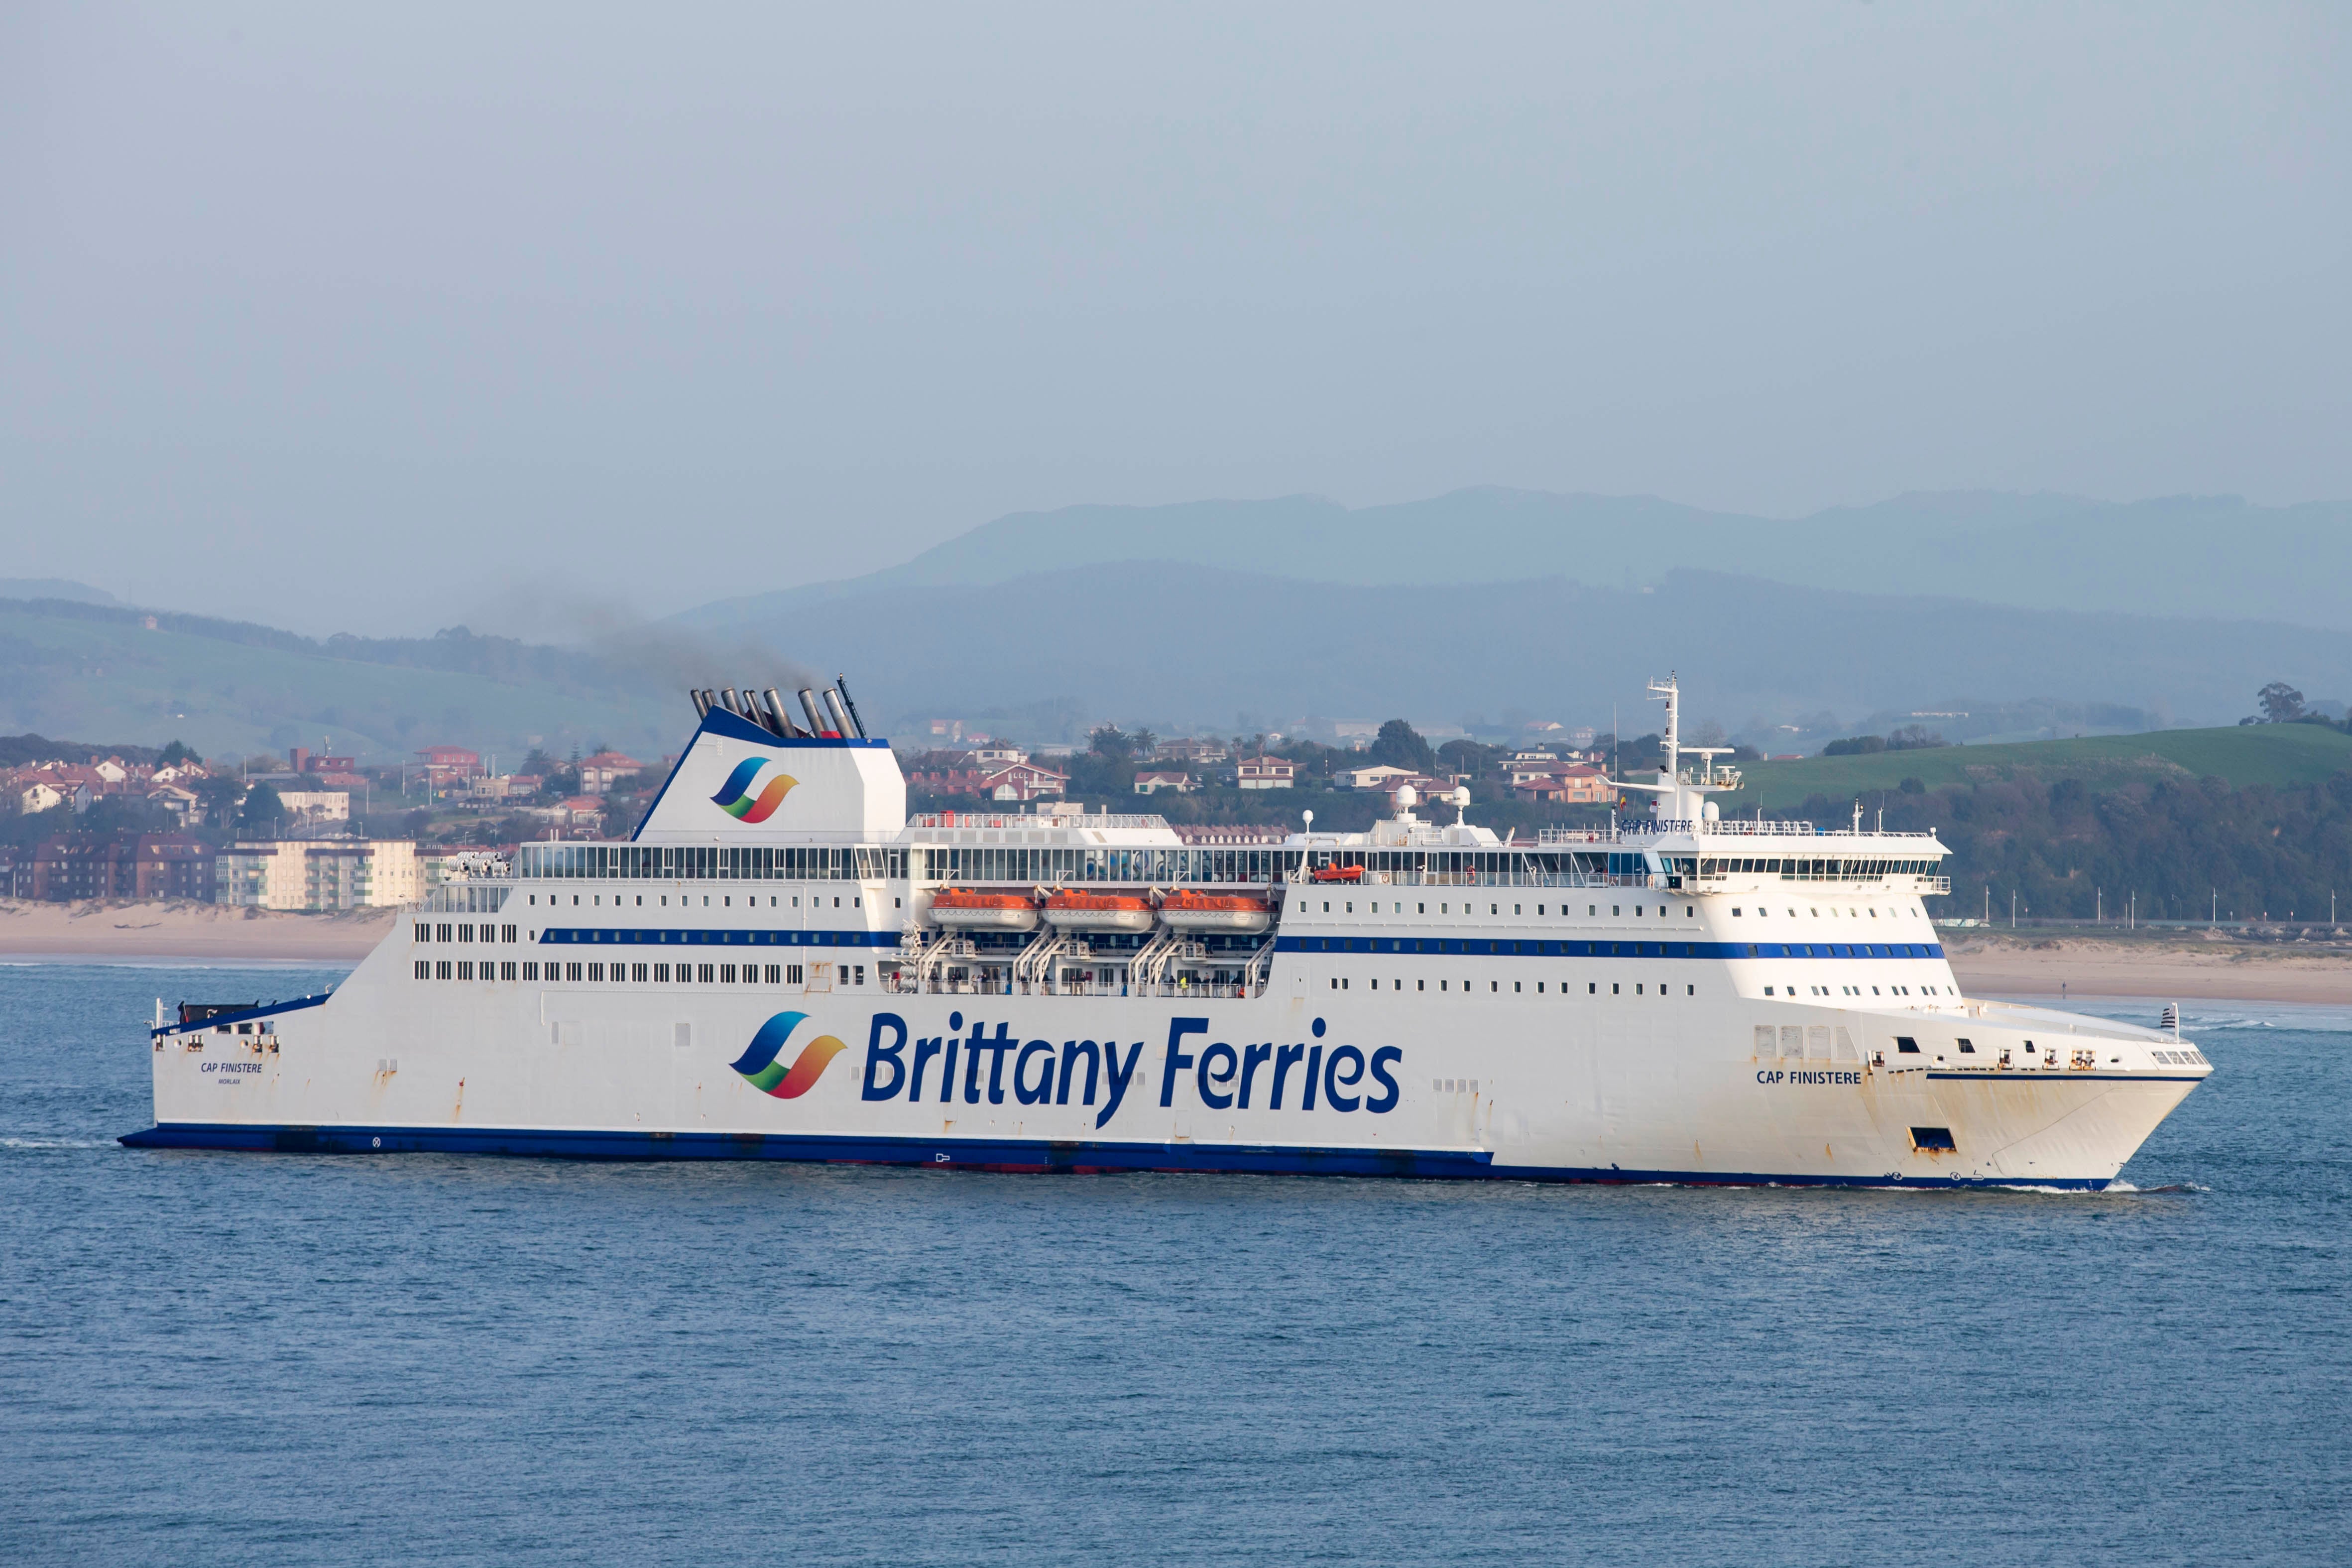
[[1339, 873], [1072, 911], [1193, 912], [960, 909]]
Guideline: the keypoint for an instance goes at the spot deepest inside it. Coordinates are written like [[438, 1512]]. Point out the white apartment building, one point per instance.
[[317, 874], [318, 804]]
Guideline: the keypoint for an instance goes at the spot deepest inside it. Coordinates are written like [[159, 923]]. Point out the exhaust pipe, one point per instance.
[[727, 696], [840, 714], [701, 705], [784, 725], [842, 682], [759, 712], [808, 706]]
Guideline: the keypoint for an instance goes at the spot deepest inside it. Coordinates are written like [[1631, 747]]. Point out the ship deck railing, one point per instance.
[[1002, 821], [1644, 829], [1167, 990]]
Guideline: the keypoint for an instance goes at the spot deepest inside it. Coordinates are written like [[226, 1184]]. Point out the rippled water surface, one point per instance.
[[259, 1359]]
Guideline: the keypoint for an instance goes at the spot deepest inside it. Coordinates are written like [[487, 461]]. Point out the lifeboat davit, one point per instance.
[[1072, 911], [1339, 873], [960, 910], [1214, 912]]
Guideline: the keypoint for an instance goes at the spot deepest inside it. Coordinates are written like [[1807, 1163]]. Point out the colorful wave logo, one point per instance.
[[760, 1069], [734, 796]]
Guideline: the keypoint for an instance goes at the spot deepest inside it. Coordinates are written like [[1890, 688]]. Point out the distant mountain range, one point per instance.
[[2195, 557], [2035, 614], [95, 671], [54, 588], [1489, 600], [1172, 643]]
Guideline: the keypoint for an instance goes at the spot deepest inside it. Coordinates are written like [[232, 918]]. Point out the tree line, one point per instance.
[[2186, 846]]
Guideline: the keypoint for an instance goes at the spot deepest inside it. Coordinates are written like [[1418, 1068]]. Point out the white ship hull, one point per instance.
[[1490, 1082], [753, 976]]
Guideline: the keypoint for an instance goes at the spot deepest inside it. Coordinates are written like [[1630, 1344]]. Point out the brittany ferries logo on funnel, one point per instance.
[[760, 1069], [735, 796]]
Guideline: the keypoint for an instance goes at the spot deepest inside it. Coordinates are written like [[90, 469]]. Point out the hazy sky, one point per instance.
[[362, 318]]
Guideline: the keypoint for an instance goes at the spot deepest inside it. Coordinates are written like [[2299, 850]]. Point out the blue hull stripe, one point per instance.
[[974, 1154], [1427, 947], [1530, 947]]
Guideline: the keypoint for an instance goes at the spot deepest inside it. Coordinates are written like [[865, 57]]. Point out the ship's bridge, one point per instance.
[[1709, 855]]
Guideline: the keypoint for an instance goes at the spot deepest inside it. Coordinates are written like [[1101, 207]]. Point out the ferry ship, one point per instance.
[[781, 963]]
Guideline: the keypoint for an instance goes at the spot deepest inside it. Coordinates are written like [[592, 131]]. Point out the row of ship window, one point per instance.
[[427, 931], [1616, 912], [1856, 990], [1494, 987], [637, 973], [685, 901], [1421, 907]]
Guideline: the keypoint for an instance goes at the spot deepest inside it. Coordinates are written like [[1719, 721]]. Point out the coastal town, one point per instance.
[[317, 831]]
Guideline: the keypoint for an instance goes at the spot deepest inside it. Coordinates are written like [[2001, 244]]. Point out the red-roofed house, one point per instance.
[[1265, 773], [450, 765], [597, 773], [1023, 781], [1571, 784]]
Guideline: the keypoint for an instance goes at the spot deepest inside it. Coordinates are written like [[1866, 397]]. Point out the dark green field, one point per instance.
[[2273, 755]]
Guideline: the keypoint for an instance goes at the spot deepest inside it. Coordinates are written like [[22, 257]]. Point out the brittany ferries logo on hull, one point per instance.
[[759, 1067], [736, 799]]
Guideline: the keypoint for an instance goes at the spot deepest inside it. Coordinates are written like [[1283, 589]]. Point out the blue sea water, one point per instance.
[[259, 1359]]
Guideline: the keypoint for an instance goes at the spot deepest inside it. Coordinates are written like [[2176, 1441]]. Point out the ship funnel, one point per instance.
[[770, 716], [842, 682], [785, 726], [756, 712], [840, 714], [808, 706]]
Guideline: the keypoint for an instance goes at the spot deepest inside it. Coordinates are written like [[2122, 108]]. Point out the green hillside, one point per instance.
[[2273, 755], [64, 675]]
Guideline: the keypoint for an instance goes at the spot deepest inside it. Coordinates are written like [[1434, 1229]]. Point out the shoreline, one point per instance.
[[165, 930], [1986, 963], [2173, 968]]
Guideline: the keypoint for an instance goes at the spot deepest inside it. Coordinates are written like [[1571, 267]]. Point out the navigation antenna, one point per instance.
[[1672, 692]]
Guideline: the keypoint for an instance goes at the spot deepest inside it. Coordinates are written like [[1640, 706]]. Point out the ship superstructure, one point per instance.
[[781, 963]]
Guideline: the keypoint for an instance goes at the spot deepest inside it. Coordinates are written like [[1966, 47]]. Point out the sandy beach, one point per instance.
[[119, 931], [2172, 967]]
